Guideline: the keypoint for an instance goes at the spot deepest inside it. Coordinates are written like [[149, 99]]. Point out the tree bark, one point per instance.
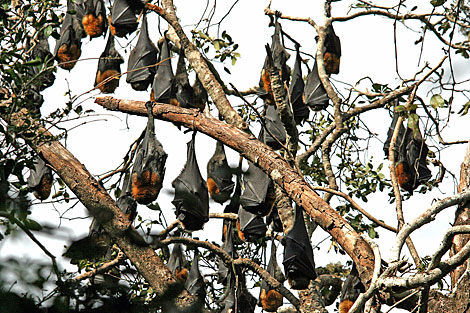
[[102, 207], [274, 165]]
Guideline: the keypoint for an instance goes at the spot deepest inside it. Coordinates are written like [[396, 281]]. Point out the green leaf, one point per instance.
[[48, 31], [437, 3], [372, 233], [437, 101], [32, 224]]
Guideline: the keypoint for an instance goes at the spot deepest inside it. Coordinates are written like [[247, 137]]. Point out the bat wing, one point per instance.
[[177, 259], [184, 91], [416, 152], [280, 55], [110, 60], [163, 82], [224, 272], [142, 57], [252, 225], [332, 41], [219, 175], [191, 196], [195, 282], [256, 184], [274, 220], [314, 92], [296, 91], [401, 133], [38, 172], [352, 286], [123, 17], [200, 94], [298, 253], [275, 127]]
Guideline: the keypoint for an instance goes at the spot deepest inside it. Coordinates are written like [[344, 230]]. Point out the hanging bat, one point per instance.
[[224, 272], [163, 87], [40, 179], [299, 265], [352, 288], [109, 68], [149, 166], [251, 227], [270, 299], [44, 74], [410, 152], [123, 20], [94, 20], [200, 95], [274, 125], [229, 301], [258, 189], [68, 46], [332, 51], [219, 175], [195, 282], [296, 91], [140, 67], [274, 220], [184, 93], [178, 263], [232, 207], [279, 57], [314, 93], [191, 196]]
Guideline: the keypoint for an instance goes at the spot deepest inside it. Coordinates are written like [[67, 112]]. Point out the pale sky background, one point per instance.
[[367, 50]]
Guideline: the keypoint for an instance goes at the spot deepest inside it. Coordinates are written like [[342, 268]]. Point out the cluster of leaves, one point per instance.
[[224, 46]]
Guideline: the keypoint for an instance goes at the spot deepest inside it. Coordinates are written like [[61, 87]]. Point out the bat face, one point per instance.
[[40, 180], [94, 20], [123, 18], [298, 254], [109, 68], [68, 47], [191, 196], [275, 127], [163, 88], [219, 176], [142, 58], [296, 91], [314, 92], [149, 166]]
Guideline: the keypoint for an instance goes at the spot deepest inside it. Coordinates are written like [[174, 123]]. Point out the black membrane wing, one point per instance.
[[299, 265], [296, 91], [229, 301], [274, 220], [123, 17], [251, 225], [269, 298], [224, 271], [178, 263], [417, 151], [94, 20], [140, 68], [195, 282], [219, 175], [232, 207], [332, 51], [275, 127], [44, 74], [314, 93], [256, 184], [184, 91], [200, 95], [149, 166], [401, 133], [109, 68], [163, 89], [68, 47], [191, 197], [352, 287], [40, 179]]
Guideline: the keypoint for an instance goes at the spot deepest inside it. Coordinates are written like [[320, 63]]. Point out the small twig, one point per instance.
[[103, 268]]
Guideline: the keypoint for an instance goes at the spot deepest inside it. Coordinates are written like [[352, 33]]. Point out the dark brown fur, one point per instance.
[[111, 84], [43, 190], [145, 188], [68, 56], [331, 62], [271, 300]]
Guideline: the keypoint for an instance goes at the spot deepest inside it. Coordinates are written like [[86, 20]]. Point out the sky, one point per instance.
[[367, 50]]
